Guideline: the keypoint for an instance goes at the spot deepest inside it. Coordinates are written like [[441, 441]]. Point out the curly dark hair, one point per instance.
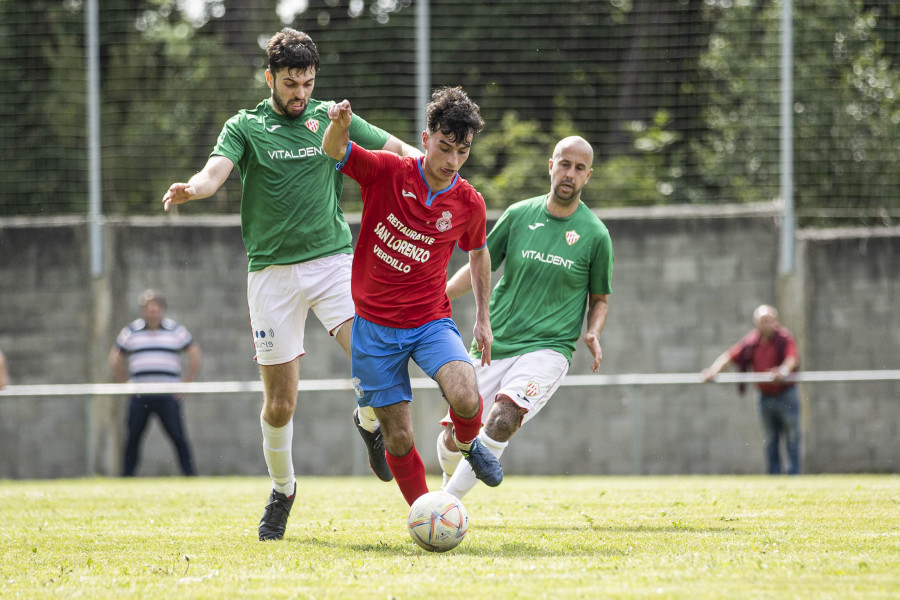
[[452, 113], [291, 49]]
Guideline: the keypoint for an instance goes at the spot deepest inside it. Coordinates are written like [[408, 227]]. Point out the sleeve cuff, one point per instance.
[[340, 165]]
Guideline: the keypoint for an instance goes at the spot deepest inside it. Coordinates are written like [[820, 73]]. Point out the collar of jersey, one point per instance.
[[432, 195], [549, 216]]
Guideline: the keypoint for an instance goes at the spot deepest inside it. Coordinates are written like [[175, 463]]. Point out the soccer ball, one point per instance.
[[437, 521]]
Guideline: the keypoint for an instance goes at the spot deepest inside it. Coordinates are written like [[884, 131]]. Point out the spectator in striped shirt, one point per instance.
[[148, 350]]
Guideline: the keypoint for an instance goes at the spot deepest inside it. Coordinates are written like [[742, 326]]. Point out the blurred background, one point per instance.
[[680, 98], [682, 101]]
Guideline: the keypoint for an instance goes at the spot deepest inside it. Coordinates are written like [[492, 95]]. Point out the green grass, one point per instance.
[[532, 537]]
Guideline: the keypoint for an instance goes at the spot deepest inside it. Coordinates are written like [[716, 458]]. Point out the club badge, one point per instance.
[[443, 224]]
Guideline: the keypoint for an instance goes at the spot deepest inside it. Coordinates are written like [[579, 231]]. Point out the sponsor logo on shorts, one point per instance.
[[263, 339], [357, 387], [532, 389]]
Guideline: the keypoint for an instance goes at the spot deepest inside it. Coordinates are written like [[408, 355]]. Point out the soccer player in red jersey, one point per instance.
[[415, 210]]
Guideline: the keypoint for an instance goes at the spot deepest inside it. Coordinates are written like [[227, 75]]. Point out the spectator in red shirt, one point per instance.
[[770, 348]]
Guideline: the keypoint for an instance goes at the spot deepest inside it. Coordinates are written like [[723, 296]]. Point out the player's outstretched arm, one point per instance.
[[480, 267], [598, 310], [337, 135], [202, 185]]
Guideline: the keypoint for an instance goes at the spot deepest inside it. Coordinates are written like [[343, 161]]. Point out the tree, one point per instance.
[[846, 113]]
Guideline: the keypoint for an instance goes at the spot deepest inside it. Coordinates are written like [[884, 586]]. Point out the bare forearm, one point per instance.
[[195, 356], [336, 141], [480, 281], [202, 185], [117, 365], [716, 367], [598, 311], [460, 283], [398, 146]]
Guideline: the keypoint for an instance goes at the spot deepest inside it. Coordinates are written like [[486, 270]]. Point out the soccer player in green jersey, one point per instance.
[[298, 244], [559, 263]]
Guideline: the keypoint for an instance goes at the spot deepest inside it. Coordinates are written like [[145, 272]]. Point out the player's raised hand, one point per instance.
[[593, 345], [340, 113], [178, 193]]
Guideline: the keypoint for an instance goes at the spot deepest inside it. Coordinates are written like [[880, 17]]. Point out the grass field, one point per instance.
[[533, 537]]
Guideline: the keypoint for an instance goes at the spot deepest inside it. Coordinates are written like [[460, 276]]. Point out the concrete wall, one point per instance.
[[686, 280]]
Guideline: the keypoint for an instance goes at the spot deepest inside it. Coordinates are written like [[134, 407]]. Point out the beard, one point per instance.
[[283, 107], [566, 196]]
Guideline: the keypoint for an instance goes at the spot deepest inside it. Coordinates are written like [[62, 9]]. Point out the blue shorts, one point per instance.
[[379, 362]]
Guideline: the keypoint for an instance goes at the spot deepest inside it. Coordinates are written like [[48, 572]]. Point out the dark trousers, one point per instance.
[[168, 409], [780, 416]]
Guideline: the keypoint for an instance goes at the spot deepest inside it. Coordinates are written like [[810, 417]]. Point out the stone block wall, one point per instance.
[[685, 282]]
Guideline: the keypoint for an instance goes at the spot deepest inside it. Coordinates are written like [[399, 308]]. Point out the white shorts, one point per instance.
[[280, 296], [529, 380]]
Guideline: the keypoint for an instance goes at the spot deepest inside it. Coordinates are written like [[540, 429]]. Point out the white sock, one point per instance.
[[277, 442], [464, 478], [448, 458], [367, 418]]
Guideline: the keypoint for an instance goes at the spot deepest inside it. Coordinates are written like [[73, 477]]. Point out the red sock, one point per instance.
[[409, 471], [466, 430]]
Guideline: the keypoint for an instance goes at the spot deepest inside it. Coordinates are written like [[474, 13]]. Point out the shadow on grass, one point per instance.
[[549, 541], [557, 530]]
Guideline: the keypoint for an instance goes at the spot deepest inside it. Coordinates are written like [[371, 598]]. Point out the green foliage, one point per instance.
[[679, 99], [165, 105], [508, 162], [846, 113], [42, 133], [640, 178]]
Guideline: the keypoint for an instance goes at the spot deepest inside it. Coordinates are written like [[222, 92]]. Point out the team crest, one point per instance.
[[532, 388], [443, 224], [357, 387], [312, 125], [572, 237]]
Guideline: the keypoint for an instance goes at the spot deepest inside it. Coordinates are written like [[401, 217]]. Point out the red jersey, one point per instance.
[[407, 235], [763, 355]]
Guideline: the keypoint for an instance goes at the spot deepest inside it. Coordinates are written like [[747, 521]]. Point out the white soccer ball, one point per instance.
[[437, 521]]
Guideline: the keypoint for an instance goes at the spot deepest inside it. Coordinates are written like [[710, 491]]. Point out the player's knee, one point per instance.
[[279, 411], [504, 419], [398, 437]]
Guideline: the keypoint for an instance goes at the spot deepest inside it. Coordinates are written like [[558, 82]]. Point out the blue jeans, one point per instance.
[[780, 416], [168, 409]]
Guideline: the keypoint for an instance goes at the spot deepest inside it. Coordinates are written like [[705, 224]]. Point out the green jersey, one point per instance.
[[291, 189], [551, 266]]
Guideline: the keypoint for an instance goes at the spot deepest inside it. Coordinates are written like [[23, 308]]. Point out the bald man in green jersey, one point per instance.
[[298, 244], [559, 262]]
